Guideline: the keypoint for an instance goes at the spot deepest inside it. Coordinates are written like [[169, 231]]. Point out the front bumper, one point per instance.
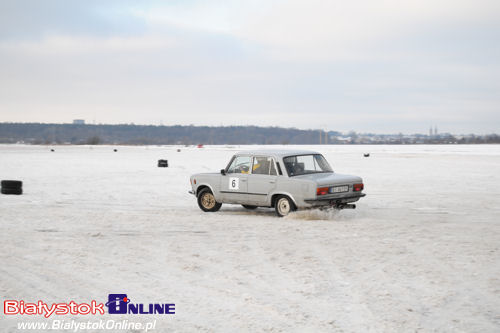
[[332, 200]]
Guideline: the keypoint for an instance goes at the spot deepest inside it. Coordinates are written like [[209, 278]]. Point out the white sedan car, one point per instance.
[[284, 180]]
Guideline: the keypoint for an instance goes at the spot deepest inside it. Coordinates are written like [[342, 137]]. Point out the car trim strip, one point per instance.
[[243, 193]]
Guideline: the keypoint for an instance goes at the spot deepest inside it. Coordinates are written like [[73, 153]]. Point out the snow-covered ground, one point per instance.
[[420, 253]]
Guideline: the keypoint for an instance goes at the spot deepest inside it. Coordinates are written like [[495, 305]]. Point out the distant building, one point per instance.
[[433, 131], [79, 122]]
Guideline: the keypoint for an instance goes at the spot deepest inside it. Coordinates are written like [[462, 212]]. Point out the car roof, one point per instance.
[[277, 153]]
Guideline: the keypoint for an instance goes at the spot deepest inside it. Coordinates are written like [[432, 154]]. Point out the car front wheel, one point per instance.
[[283, 206], [206, 201]]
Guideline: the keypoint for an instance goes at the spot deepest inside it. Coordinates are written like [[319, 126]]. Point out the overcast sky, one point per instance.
[[370, 66]]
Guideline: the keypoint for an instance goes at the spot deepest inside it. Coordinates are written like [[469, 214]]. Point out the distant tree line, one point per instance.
[[37, 133]]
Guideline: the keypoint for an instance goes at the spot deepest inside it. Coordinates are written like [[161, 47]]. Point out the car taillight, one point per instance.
[[322, 190], [194, 181], [357, 187]]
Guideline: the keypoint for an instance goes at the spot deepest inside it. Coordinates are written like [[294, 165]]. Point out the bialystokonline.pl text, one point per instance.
[[76, 326]]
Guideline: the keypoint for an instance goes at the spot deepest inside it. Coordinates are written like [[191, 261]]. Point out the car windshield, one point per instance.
[[306, 164]]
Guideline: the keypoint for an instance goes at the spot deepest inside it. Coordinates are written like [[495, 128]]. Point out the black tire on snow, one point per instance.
[[206, 201], [12, 184], [163, 163], [16, 191], [249, 207]]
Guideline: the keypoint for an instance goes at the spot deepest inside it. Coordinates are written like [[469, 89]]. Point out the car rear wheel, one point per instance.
[[283, 206], [206, 201], [249, 206]]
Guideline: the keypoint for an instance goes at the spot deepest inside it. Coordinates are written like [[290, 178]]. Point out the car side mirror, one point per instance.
[[223, 172]]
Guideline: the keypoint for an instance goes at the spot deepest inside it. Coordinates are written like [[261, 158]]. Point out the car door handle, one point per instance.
[[243, 180], [272, 181]]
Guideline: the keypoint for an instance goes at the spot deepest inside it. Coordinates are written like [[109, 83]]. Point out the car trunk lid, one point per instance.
[[328, 179]]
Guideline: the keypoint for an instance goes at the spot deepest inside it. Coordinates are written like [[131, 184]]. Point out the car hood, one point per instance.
[[331, 178], [205, 174]]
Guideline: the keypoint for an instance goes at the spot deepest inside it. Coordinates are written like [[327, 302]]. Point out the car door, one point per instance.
[[234, 184], [261, 180]]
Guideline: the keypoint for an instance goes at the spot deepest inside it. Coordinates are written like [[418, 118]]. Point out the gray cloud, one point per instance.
[[405, 67], [32, 19]]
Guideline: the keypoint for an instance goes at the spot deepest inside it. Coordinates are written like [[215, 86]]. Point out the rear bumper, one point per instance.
[[191, 192], [329, 200]]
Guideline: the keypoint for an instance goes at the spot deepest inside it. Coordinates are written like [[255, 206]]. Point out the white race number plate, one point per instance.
[[234, 183]]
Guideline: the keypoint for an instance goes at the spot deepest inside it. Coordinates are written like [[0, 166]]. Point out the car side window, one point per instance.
[[263, 166], [240, 164]]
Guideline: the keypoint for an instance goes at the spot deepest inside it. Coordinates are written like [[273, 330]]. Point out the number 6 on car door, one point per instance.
[[234, 183]]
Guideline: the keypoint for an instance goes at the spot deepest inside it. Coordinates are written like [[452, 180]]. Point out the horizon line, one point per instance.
[[258, 126]]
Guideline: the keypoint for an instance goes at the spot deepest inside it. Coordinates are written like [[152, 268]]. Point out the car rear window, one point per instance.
[[306, 164]]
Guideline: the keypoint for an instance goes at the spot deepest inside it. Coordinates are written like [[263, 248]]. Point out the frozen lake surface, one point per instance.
[[420, 253]]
